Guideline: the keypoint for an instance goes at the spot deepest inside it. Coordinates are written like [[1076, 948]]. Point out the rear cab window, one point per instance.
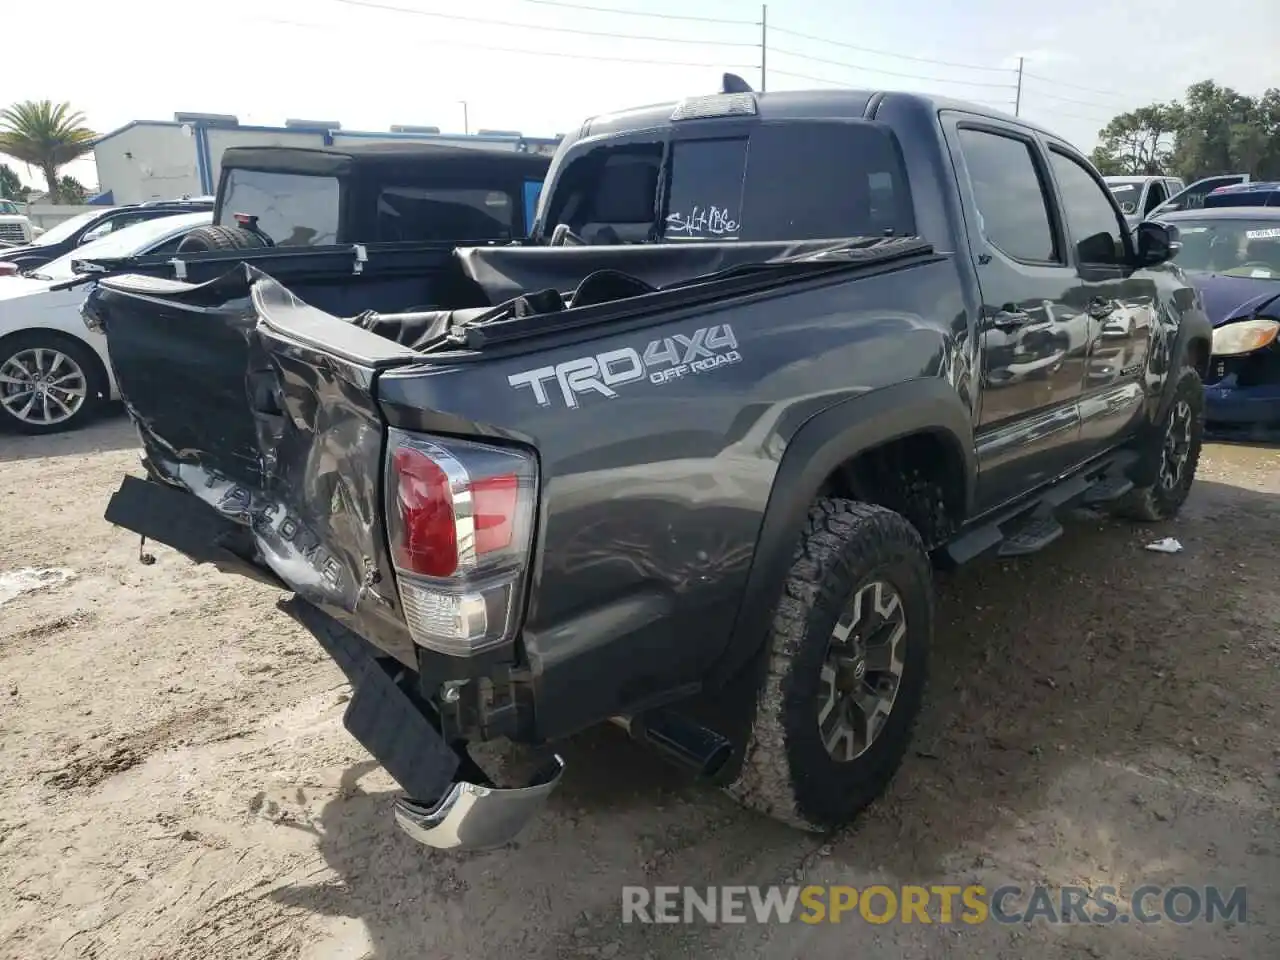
[[294, 210], [436, 213], [749, 184]]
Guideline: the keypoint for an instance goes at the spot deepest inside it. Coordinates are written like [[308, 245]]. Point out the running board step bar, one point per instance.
[[1031, 527], [1031, 537]]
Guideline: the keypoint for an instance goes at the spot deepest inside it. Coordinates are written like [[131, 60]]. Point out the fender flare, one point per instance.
[[1193, 327], [811, 456]]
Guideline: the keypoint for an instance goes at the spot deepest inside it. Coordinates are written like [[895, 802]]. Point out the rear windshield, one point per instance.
[[1243, 198], [294, 210], [463, 215], [801, 180]]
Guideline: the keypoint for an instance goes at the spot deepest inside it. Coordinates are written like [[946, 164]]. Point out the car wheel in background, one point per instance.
[[48, 383]]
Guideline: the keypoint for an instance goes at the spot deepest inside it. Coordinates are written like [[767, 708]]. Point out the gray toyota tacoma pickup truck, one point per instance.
[[683, 459]]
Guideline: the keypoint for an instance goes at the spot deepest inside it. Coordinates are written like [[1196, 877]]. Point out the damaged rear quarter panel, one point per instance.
[[280, 437]]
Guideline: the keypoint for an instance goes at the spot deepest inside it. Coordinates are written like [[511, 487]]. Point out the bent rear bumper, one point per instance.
[[473, 817]]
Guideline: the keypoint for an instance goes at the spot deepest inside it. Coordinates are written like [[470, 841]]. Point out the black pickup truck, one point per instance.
[[685, 459]]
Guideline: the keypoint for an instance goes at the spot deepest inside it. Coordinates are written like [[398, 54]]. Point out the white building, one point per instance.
[[167, 159]]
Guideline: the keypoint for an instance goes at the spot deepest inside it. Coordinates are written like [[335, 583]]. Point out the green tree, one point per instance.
[[1218, 133], [1213, 130], [10, 185], [71, 190], [45, 134], [1140, 142]]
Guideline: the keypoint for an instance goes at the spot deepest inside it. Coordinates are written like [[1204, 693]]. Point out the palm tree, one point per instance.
[[45, 134]]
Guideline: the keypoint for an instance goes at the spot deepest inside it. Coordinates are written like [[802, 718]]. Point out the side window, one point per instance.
[[1012, 204], [1155, 196], [294, 210], [169, 246], [1092, 222], [439, 214]]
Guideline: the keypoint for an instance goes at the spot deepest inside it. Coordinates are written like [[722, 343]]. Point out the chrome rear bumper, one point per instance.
[[473, 817]]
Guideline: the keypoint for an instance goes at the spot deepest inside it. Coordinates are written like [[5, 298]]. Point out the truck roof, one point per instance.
[[385, 158], [797, 105]]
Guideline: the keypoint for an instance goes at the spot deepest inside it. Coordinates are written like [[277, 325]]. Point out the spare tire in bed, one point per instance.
[[207, 239]]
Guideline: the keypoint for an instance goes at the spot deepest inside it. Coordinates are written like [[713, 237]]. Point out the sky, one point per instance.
[[537, 66]]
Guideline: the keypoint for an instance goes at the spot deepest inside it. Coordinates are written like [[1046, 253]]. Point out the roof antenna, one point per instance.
[[732, 83]]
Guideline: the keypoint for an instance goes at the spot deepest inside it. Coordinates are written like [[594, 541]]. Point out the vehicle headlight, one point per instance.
[[1244, 336]]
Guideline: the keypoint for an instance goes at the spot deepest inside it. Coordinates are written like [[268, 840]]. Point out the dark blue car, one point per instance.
[[1232, 255]]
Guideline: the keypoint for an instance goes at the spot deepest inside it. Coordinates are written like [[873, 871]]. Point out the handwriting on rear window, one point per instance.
[[702, 222]]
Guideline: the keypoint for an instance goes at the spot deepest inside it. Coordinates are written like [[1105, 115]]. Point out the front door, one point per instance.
[[1118, 303], [1033, 335]]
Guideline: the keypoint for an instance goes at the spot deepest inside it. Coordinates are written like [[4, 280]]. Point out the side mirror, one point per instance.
[[97, 233], [1156, 242]]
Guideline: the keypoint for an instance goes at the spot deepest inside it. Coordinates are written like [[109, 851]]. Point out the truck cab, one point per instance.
[[1139, 196]]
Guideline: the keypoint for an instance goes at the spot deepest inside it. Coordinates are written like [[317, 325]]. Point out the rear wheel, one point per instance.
[[848, 654], [48, 383], [1171, 456]]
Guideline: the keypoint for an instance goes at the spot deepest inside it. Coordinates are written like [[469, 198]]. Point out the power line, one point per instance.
[[1002, 105], [1077, 116], [642, 13], [373, 5], [805, 76], [883, 53], [891, 73], [542, 53], [1073, 86], [1081, 103]]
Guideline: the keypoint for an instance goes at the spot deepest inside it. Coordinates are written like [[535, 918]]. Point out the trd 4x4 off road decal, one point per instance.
[[663, 360]]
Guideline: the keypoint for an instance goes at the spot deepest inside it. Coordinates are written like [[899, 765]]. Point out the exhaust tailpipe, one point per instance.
[[681, 740]]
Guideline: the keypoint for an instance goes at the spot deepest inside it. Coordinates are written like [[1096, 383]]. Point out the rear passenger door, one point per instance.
[[1032, 332]]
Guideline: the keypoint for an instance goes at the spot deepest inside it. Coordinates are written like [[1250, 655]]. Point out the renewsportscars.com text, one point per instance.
[[932, 904]]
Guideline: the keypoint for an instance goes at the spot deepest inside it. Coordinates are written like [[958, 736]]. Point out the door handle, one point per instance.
[[1010, 320]]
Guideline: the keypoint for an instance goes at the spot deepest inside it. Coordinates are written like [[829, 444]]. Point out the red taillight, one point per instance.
[[495, 510], [8, 269], [428, 542], [460, 527]]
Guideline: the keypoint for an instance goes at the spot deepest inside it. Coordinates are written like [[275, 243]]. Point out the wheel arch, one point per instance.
[[814, 460]]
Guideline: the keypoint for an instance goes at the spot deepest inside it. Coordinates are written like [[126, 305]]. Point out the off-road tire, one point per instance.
[[208, 239], [787, 772], [1154, 501]]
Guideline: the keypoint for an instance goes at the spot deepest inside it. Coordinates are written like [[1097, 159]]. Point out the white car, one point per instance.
[[54, 371]]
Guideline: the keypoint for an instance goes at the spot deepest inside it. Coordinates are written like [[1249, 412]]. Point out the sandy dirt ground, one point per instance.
[[177, 782]]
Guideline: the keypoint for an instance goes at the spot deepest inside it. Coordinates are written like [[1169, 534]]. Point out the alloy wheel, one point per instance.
[[862, 671], [42, 386]]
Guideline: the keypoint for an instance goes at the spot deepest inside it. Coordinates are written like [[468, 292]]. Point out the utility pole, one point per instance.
[[764, 42], [466, 123], [1017, 104]]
